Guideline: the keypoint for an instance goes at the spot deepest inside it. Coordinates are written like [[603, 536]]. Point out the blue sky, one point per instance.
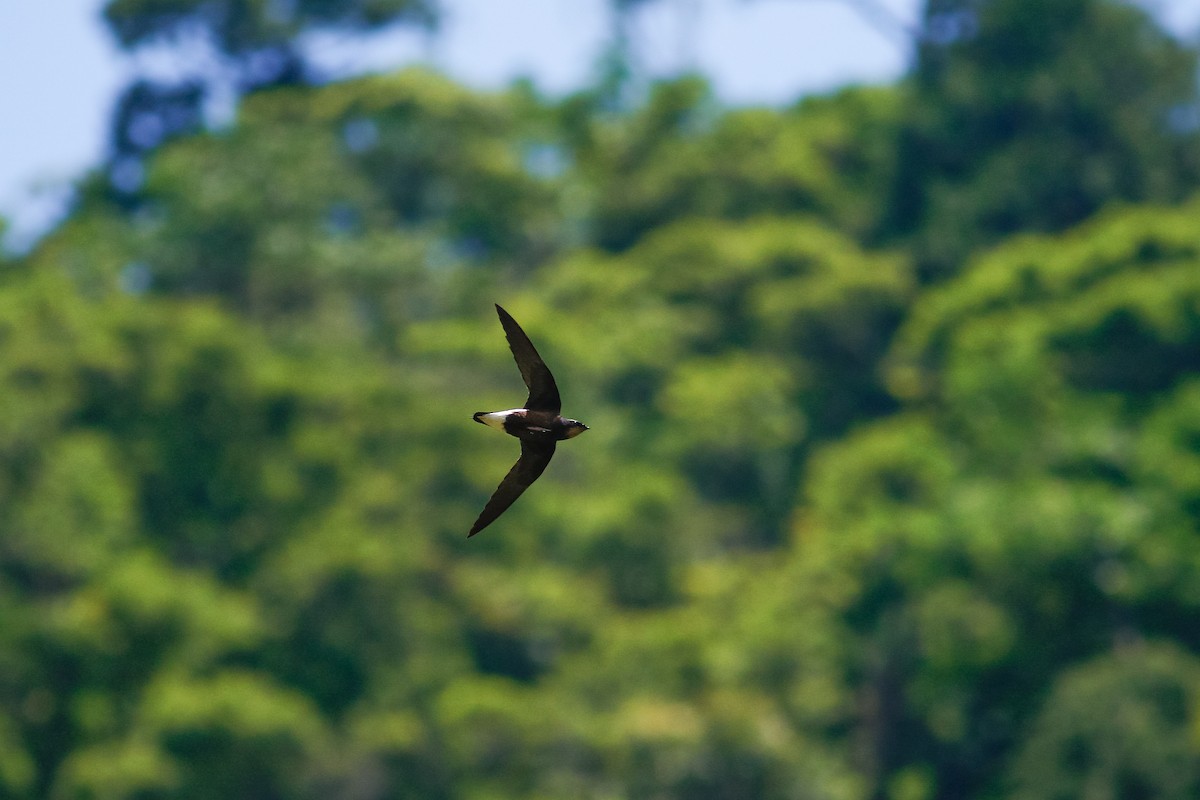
[[59, 71]]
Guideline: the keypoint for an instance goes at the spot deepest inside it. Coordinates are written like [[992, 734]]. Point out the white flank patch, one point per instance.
[[495, 419]]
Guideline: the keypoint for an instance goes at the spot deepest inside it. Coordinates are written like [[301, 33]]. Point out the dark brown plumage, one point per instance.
[[538, 424]]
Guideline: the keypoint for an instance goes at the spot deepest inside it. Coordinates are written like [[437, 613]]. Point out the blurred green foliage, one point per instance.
[[217, 50], [839, 530], [1028, 115]]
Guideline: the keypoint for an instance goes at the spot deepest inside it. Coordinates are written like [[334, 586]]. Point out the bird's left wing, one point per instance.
[[543, 392], [531, 464]]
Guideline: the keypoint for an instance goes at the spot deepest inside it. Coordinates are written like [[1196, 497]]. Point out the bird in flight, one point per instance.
[[538, 425]]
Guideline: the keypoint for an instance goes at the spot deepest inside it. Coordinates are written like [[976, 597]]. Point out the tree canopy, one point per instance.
[[845, 526]]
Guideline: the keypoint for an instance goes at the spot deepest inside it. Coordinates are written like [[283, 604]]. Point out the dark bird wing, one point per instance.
[[531, 464], [543, 392]]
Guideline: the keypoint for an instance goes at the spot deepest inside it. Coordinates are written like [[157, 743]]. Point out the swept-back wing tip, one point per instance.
[[543, 392], [528, 468]]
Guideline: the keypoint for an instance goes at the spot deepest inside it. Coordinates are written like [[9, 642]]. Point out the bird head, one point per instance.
[[574, 428]]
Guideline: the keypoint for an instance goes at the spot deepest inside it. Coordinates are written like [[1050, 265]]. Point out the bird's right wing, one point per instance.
[[543, 392], [531, 464]]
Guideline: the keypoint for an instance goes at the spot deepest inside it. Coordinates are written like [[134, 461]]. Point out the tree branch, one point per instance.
[[879, 17]]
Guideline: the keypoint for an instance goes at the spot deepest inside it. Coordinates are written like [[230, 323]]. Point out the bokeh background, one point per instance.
[[890, 352]]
